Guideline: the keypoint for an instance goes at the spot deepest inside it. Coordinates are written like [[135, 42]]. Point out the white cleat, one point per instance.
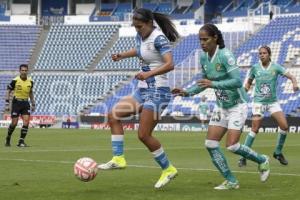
[[264, 169], [227, 185]]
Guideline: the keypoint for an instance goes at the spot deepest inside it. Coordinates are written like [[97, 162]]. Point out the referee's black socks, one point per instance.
[[10, 130], [24, 131]]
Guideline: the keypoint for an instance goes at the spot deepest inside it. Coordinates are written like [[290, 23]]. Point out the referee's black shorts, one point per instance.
[[20, 107]]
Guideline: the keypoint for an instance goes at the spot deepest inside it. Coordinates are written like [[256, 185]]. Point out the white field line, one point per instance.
[[149, 167], [27, 149]]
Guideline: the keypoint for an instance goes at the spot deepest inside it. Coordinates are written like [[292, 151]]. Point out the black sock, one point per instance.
[[10, 131], [24, 131]]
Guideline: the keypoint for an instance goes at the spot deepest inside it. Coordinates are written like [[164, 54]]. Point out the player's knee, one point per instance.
[[255, 129], [143, 138], [233, 147], [283, 129], [211, 144], [111, 118], [12, 125]]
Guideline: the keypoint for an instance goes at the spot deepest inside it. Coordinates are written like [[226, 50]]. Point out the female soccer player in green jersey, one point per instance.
[[221, 73], [265, 74]]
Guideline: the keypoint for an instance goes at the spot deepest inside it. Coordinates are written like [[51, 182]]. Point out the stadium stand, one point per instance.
[[67, 93], [107, 9], [121, 9], [122, 44], [69, 51], [165, 7], [16, 44], [182, 50], [73, 47], [150, 6], [4, 81], [284, 42]]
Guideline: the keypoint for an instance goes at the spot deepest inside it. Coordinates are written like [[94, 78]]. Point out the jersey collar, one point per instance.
[[265, 68], [215, 54]]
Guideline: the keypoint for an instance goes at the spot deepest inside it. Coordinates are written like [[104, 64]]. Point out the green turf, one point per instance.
[[45, 170]]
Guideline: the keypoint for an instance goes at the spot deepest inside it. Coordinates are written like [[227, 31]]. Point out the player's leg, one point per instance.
[[157, 99], [25, 113], [127, 106], [216, 129], [10, 130], [212, 143], [282, 122], [257, 116], [237, 118], [24, 131], [234, 146], [148, 120], [15, 112], [256, 123]]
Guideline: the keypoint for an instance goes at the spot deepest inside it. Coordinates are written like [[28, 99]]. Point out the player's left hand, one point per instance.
[[142, 75], [204, 83]]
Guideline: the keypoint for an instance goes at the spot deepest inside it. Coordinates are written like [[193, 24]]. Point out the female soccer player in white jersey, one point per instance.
[[265, 74], [153, 94], [221, 73]]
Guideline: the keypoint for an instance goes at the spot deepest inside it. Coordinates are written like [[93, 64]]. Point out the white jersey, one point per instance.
[[150, 52]]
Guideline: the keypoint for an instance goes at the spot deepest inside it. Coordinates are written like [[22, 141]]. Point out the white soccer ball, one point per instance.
[[85, 169]]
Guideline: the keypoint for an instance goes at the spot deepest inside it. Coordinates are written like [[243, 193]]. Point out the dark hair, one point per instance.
[[266, 48], [162, 20], [23, 65], [212, 31]]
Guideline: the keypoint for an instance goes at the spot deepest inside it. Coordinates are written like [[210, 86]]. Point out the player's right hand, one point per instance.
[[179, 92], [116, 57]]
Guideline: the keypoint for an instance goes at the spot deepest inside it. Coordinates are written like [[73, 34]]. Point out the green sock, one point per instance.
[[250, 139], [220, 162], [249, 154], [280, 142]]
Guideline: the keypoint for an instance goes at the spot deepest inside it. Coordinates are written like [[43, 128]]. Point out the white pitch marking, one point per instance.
[[148, 166]]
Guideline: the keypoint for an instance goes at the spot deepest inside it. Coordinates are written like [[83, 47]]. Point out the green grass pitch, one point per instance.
[[44, 171]]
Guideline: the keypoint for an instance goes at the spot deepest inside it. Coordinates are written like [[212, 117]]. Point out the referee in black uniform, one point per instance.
[[21, 86]]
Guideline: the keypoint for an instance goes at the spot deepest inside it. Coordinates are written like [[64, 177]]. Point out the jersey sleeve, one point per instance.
[[229, 61], [12, 85], [280, 70], [162, 44]]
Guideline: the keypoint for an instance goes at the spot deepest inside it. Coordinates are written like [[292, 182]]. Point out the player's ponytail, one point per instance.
[[162, 20], [167, 26]]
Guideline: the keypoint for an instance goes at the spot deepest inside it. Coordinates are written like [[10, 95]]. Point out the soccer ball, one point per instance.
[[85, 169]]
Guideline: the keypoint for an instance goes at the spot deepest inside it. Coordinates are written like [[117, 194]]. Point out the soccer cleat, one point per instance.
[[117, 162], [242, 162], [22, 144], [264, 169], [280, 158], [7, 142], [166, 176], [227, 185]]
